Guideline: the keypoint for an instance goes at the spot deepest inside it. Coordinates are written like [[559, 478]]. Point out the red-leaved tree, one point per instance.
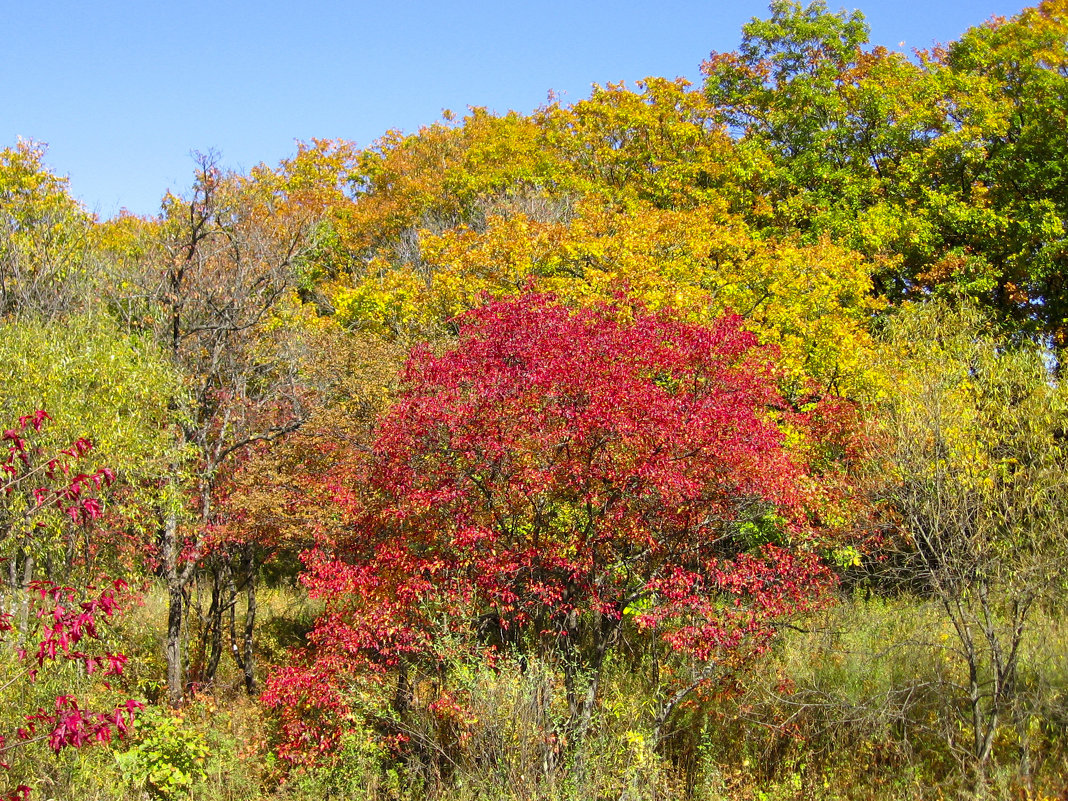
[[553, 476], [49, 624]]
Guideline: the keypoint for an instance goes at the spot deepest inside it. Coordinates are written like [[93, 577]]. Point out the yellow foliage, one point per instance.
[[630, 191], [812, 302]]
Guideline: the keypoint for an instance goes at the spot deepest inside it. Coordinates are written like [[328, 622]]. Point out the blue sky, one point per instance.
[[123, 91]]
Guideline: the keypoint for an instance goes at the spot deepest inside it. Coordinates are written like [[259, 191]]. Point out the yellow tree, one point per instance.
[[637, 191], [45, 237], [977, 478]]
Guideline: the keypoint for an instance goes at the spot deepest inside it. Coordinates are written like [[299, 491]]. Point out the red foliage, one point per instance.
[[72, 494], [554, 472], [60, 624]]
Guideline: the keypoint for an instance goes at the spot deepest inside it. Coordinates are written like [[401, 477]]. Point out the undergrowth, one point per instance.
[[857, 702]]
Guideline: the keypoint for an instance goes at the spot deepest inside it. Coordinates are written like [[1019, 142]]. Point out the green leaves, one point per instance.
[[168, 759], [947, 172], [95, 382]]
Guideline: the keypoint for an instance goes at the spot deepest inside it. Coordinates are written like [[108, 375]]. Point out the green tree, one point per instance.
[[947, 170], [996, 182], [841, 125], [100, 385]]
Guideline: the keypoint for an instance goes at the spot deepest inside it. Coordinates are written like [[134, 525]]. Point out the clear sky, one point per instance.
[[123, 91]]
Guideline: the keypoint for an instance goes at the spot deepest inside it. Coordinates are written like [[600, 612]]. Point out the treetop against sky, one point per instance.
[[122, 93]]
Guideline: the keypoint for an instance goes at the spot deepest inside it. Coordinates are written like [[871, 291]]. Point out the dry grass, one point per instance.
[[861, 704]]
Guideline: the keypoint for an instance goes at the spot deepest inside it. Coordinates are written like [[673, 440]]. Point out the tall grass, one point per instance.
[[860, 701]]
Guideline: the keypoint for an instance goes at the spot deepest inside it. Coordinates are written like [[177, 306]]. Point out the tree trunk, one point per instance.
[[243, 655], [175, 611], [583, 664], [667, 706], [602, 631], [250, 624], [222, 596], [175, 683]]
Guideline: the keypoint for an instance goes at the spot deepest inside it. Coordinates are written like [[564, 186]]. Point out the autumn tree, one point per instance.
[[812, 302], [48, 629], [635, 189], [45, 238], [217, 277], [977, 481], [266, 515], [555, 476]]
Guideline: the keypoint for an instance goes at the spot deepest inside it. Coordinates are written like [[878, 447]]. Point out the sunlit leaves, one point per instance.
[[44, 236], [551, 470]]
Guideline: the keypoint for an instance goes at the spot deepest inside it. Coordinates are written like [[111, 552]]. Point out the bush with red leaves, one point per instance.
[[556, 475], [60, 623]]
